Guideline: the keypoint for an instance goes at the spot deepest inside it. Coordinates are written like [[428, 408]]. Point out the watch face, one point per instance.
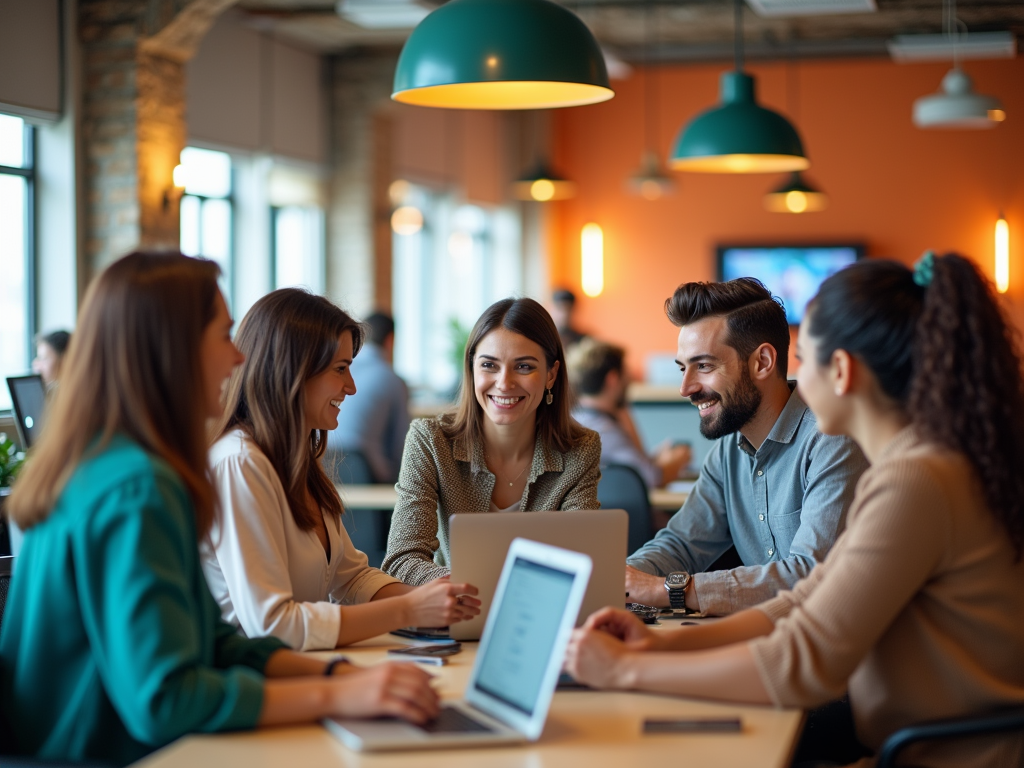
[[677, 579]]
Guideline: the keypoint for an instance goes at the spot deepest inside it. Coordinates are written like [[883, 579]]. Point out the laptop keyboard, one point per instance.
[[451, 720]]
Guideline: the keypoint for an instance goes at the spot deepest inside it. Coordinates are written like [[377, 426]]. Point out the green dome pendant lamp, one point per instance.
[[738, 136], [501, 54]]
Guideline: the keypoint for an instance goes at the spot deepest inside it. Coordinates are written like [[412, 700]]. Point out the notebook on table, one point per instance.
[[478, 543], [517, 665]]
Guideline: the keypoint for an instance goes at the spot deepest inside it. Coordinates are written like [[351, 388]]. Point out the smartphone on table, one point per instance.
[[427, 654]]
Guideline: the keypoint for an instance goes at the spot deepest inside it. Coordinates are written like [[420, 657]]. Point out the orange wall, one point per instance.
[[899, 189]]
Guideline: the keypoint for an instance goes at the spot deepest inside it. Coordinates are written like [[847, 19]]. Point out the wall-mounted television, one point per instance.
[[791, 272]]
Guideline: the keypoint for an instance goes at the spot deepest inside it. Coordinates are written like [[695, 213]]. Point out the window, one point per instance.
[[298, 247], [16, 250], [455, 262], [207, 214]]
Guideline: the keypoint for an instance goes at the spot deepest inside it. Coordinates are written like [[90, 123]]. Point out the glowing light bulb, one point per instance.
[[592, 252], [1002, 255], [542, 190], [406, 220], [796, 201], [178, 176]]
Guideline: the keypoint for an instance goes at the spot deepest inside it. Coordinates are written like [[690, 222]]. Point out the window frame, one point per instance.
[[30, 256]]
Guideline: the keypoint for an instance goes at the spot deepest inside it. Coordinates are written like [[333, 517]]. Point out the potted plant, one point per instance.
[[11, 460]]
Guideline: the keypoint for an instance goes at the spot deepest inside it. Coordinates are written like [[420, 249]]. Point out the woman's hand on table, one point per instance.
[[624, 626], [440, 603], [597, 659], [395, 689]]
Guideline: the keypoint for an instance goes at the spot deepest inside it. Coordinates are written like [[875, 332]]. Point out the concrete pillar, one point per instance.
[[358, 221], [133, 118]]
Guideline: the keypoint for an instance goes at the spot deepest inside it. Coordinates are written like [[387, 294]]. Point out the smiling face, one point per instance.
[[510, 377], [323, 393], [715, 378], [219, 357], [817, 386]]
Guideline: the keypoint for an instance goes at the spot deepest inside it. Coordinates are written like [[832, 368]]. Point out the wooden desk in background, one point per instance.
[[385, 497], [584, 730]]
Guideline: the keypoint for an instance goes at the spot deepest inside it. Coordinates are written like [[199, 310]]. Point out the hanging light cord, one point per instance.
[[739, 35], [650, 88]]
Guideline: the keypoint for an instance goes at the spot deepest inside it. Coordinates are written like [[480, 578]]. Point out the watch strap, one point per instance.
[[677, 598]]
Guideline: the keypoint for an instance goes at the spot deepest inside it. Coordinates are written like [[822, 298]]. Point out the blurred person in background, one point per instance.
[[376, 419], [599, 377], [563, 305], [50, 351]]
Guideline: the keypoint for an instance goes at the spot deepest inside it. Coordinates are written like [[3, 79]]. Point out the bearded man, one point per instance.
[[773, 486]]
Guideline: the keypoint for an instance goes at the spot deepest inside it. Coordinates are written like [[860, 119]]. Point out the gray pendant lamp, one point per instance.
[[650, 181], [957, 105], [739, 135]]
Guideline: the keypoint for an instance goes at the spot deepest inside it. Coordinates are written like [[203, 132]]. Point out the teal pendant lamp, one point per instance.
[[501, 54], [739, 135]]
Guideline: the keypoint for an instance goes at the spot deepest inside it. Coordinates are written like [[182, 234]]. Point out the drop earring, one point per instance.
[[550, 398]]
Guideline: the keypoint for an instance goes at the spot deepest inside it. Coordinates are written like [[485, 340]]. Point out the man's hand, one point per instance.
[[645, 588]]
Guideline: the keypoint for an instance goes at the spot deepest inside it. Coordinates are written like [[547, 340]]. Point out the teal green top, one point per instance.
[[112, 645]]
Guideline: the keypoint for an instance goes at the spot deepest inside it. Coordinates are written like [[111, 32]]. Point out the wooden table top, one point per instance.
[[591, 729]]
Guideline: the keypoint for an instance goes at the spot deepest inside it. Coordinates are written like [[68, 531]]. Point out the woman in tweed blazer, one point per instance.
[[509, 446]]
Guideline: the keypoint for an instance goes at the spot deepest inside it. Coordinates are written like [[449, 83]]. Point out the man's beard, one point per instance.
[[735, 409]]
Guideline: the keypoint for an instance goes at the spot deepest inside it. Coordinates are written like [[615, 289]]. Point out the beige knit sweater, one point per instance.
[[918, 611]]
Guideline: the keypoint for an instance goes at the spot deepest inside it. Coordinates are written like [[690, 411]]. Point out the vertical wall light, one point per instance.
[[592, 250], [1002, 255]]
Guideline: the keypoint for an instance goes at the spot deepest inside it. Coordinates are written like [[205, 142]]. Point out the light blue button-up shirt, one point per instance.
[[782, 506]]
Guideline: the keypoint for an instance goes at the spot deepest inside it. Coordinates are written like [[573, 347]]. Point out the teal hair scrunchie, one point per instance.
[[924, 269]]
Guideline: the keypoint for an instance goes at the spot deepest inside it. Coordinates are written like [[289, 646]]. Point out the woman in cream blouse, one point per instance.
[[280, 562]]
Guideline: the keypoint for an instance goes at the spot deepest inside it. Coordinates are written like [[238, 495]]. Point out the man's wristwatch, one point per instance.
[[676, 584]]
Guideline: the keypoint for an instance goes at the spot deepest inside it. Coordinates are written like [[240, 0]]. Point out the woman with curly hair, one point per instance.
[[916, 611]]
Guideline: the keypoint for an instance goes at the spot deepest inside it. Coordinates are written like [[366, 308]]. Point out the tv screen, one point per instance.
[[791, 272]]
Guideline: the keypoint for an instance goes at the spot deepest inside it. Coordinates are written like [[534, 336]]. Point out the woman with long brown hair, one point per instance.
[[281, 563], [112, 645], [917, 610], [510, 446]]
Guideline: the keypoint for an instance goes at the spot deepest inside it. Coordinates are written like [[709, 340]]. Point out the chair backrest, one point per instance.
[[621, 487], [6, 569], [349, 468]]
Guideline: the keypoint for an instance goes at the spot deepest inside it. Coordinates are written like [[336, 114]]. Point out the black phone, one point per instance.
[[435, 651], [695, 725]]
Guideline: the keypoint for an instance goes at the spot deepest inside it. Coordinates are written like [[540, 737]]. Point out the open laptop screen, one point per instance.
[[28, 397], [524, 633]]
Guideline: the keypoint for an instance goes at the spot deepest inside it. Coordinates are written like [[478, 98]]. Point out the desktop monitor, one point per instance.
[[28, 400], [791, 272]]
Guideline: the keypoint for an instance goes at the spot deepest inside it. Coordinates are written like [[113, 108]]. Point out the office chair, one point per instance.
[[368, 528], [1000, 721], [621, 487]]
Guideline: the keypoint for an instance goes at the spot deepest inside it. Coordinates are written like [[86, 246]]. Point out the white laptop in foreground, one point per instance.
[[479, 542], [517, 664]]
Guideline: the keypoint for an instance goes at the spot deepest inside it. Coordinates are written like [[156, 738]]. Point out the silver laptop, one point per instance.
[[479, 542], [517, 665]]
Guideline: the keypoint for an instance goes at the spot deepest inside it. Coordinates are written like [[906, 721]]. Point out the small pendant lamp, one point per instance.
[[501, 54], [650, 181], [542, 185], [795, 196], [739, 135]]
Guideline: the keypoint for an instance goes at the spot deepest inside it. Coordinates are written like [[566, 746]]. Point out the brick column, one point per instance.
[[133, 118]]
